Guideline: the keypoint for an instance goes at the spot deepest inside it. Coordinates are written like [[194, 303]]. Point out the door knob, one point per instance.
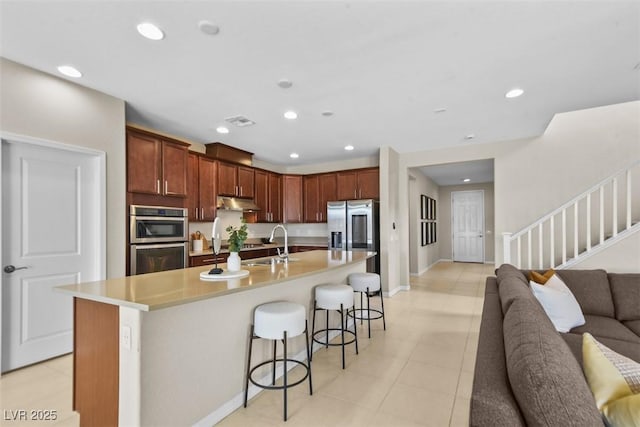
[[12, 268]]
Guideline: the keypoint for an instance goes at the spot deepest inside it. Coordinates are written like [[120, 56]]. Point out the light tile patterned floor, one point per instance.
[[419, 372]]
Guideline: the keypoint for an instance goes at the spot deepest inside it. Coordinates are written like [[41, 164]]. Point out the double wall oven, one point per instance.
[[159, 238]]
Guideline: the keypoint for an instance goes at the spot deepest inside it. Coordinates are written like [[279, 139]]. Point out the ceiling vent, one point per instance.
[[240, 121]]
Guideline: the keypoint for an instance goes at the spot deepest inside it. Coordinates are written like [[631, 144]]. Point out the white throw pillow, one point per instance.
[[559, 304]]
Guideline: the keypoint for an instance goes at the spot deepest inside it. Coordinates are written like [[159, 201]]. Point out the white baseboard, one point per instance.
[[238, 400], [396, 290]]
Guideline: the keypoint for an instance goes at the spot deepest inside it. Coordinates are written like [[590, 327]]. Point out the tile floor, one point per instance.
[[418, 372]]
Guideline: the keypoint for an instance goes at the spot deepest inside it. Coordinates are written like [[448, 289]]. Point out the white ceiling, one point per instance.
[[382, 67], [478, 172]]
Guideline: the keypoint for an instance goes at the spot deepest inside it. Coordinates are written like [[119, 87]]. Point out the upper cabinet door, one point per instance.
[[275, 197], [328, 190], [292, 196], [143, 164], [245, 182], [347, 185], [369, 184], [261, 197], [174, 169], [193, 187], [227, 179], [207, 191], [311, 198]]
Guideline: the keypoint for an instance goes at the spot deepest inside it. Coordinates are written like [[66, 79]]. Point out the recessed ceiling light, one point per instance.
[[222, 129], [466, 180], [348, 147], [327, 113], [294, 155], [470, 136], [208, 28], [285, 83], [514, 93], [440, 110], [150, 31], [69, 71], [291, 115]]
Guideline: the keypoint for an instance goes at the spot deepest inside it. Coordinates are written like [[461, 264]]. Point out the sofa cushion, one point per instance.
[[625, 289], [544, 375], [626, 348], [559, 304], [512, 284], [634, 325], [591, 289], [606, 327], [614, 381], [492, 402]]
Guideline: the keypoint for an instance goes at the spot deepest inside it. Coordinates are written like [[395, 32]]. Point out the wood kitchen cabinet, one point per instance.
[[358, 184], [201, 194], [292, 198], [155, 165], [210, 259], [318, 190], [268, 196], [235, 180]]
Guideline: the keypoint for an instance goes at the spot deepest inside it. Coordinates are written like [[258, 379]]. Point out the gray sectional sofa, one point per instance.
[[529, 374]]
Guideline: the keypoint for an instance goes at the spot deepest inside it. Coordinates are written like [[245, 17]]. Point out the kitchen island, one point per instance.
[[170, 349]]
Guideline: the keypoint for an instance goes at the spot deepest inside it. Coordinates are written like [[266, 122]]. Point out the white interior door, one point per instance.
[[467, 208], [51, 234]]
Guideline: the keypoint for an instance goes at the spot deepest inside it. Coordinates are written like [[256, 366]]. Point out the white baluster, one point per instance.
[[588, 222], [615, 207], [552, 240], [540, 247], [576, 229], [564, 236], [601, 214], [529, 249], [519, 252], [628, 198]]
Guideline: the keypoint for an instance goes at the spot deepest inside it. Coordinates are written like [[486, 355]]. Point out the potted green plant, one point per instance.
[[237, 237]]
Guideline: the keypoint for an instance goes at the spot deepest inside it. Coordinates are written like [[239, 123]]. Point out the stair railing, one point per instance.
[[544, 231]]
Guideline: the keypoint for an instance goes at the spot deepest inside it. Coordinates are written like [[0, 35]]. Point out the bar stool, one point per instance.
[[334, 297], [369, 284], [278, 321]]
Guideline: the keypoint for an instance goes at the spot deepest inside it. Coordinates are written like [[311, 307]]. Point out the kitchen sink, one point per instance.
[[267, 261]]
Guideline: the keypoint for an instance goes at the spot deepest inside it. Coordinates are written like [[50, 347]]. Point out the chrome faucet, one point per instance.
[[285, 255]]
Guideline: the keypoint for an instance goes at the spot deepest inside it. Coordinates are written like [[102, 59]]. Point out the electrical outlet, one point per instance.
[[125, 337]]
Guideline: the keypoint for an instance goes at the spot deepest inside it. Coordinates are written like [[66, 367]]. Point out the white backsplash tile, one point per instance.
[[257, 230]]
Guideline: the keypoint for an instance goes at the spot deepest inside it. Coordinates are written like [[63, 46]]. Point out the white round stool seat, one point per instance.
[[361, 281], [329, 297], [272, 319]]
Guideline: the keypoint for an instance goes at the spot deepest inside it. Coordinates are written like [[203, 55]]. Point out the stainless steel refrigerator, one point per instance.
[[355, 225]]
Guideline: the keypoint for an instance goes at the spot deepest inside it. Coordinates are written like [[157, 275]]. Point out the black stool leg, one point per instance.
[[306, 334], [384, 322], [285, 375], [341, 331], [355, 327], [368, 312], [273, 371], [246, 383], [361, 310], [313, 327], [326, 337]]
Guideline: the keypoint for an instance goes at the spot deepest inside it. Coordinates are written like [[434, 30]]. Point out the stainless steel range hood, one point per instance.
[[235, 204]]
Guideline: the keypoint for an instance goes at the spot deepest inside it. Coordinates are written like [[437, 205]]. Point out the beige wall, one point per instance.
[[444, 219], [421, 257], [43, 106], [620, 258]]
